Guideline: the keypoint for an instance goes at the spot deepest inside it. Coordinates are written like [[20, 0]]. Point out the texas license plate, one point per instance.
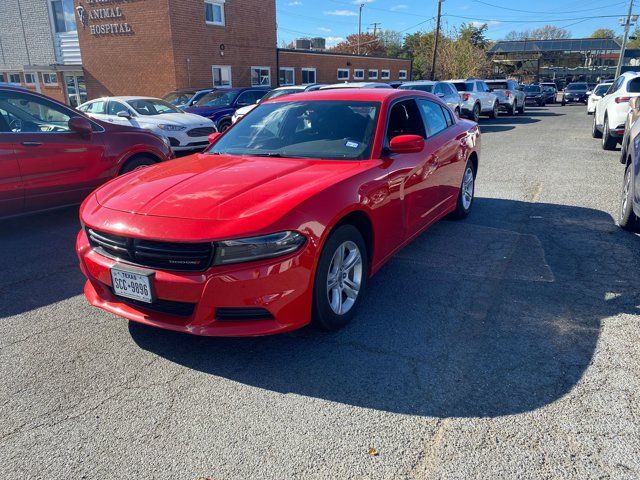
[[133, 285]]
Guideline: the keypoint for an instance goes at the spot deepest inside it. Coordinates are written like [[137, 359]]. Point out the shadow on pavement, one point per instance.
[[496, 315]]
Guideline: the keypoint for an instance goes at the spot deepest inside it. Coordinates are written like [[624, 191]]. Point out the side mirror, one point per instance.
[[213, 138], [123, 114], [81, 126], [406, 144]]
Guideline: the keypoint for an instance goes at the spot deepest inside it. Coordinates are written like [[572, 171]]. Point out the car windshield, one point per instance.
[[304, 129], [151, 106], [601, 90], [217, 99], [178, 98], [498, 86], [532, 89], [422, 87], [575, 87], [463, 86]]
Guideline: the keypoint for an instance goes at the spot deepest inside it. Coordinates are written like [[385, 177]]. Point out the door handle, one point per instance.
[[32, 144]]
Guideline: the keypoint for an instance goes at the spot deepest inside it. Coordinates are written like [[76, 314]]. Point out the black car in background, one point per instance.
[[575, 93], [533, 94]]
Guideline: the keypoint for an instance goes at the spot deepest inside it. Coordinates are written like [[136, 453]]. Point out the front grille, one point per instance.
[[167, 307], [201, 132], [147, 253], [232, 314]]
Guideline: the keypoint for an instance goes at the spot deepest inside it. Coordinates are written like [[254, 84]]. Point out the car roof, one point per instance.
[[291, 87], [421, 82], [356, 85], [355, 94]]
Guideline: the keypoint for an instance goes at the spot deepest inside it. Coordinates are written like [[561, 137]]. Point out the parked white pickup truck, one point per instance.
[[477, 98]]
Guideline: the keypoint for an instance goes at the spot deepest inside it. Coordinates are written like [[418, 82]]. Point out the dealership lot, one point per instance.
[[505, 345]]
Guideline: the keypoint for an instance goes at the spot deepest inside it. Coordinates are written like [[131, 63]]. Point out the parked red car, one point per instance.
[[52, 155], [283, 219]]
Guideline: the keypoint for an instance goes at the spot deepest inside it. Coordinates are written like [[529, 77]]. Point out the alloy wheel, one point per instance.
[[467, 188], [626, 192], [345, 277]]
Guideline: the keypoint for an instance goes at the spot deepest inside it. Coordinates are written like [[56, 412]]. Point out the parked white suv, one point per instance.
[[596, 95], [477, 98], [611, 111]]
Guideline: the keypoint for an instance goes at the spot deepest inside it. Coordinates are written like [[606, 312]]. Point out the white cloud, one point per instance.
[[341, 13], [490, 23], [397, 8], [294, 4], [324, 29], [333, 41], [358, 2]]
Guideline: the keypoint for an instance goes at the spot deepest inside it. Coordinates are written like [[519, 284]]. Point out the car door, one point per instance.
[[11, 188], [58, 166], [114, 108], [411, 175], [601, 106]]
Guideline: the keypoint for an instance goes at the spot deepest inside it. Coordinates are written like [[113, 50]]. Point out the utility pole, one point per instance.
[[360, 26], [435, 43], [630, 20], [375, 28]]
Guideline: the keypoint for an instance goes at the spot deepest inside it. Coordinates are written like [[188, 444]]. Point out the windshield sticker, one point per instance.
[[351, 144]]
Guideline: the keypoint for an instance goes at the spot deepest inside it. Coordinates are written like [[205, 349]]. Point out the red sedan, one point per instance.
[[52, 155], [283, 219]]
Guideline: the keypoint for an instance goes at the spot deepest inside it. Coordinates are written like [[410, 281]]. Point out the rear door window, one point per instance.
[[633, 86]]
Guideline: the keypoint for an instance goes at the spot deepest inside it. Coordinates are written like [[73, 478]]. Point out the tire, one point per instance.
[[595, 133], [624, 147], [494, 113], [563, 103], [512, 110], [627, 218], [521, 108], [608, 142], [137, 162], [329, 302], [457, 112], [475, 113], [224, 124], [466, 195]]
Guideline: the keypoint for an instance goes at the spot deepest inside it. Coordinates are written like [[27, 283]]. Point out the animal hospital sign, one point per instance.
[[104, 17]]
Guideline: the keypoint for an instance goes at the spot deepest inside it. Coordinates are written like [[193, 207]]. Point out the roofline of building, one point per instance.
[[555, 40], [338, 54]]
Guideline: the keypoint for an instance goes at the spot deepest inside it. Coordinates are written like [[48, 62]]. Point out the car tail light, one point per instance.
[[466, 97], [508, 94], [622, 99]]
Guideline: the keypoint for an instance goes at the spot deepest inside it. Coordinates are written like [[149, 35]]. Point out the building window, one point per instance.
[[308, 76], [1, 77], [30, 78], [373, 74], [221, 75], [260, 76], [214, 12], [343, 74], [358, 74], [287, 76], [385, 74], [402, 75], [14, 78], [63, 16], [50, 78]]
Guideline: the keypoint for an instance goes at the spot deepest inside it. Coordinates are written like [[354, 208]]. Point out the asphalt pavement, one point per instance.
[[503, 346]]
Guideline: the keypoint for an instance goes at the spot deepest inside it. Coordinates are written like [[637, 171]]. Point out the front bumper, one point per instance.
[[281, 287], [575, 98]]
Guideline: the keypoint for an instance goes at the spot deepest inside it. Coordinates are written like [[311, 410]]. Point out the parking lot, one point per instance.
[[502, 346]]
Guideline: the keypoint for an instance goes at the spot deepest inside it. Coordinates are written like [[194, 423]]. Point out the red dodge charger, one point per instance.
[[283, 219]]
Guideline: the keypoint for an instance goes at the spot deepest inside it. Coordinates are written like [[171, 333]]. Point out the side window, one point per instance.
[[28, 114], [434, 117], [405, 119], [115, 108], [250, 97], [451, 88], [439, 89], [96, 107]]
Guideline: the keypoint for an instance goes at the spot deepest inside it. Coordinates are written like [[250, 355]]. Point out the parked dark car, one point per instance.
[[52, 155], [549, 94], [575, 93], [187, 97], [534, 95], [220, 105]]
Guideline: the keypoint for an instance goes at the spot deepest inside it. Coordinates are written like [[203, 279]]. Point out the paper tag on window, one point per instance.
[[352, 144]]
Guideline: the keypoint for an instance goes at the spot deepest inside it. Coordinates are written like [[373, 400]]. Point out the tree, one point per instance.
[[603, 33], [548, 32], [369, 45], [476, 35], [635, 41]]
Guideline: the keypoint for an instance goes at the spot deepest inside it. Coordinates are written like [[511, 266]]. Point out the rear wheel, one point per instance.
[[521, 108], [511, 109], [608, 141], [137, 162], [628, 219], [494, 111], [341, 278], [475, 113], [466, 193], [224, 124]]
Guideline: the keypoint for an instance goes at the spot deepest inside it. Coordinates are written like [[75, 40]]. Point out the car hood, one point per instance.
[[219, 187], [183, 119]]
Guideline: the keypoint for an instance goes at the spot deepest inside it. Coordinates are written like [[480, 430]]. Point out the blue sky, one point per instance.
[[335, 19]]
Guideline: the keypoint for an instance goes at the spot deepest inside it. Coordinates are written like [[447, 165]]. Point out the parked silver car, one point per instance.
[[477, 99], [510, 97], [444, 90]]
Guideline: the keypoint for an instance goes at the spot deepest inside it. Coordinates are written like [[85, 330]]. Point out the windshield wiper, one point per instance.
[[267, 154]]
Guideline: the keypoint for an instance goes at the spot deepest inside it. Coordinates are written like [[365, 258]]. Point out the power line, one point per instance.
[[553, 12], [552, 20]]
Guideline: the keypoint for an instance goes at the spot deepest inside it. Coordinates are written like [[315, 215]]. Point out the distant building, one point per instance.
[[586, 59], [39, 48]]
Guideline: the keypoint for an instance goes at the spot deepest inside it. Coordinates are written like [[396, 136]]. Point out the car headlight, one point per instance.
[[256, 248], [171, 128]]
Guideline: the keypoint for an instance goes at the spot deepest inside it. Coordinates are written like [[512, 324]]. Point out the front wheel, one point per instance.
[[595, 133], [466, 193], [494, 112], [627, 218], [608, 141], [341, 278], [224, 124], [521, 108], [511, 110], [136, 163]]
